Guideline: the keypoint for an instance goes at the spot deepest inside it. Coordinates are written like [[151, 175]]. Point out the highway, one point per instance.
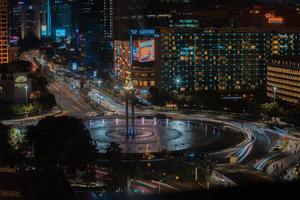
[[69, 100]]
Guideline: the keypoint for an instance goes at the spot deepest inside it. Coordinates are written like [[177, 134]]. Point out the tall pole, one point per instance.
[[26, 95], [26, 100], [132, 114], [274, 93], [127, 120], [159, 186]]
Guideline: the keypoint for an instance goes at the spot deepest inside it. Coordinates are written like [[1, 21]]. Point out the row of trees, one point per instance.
[[256, 106], [62, 143], [204, 101]]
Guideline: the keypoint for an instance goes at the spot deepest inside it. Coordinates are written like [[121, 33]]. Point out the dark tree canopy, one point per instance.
[[114, 153], [5, 148], [62, 142]]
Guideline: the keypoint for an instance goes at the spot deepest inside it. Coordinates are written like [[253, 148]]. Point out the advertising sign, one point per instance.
[[60, 33], [44, 30], [143, 51]]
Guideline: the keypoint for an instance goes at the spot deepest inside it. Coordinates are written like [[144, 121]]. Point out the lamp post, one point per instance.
[[26, 94], [178, 82], [274, 93], [26, 99], [99, 83]]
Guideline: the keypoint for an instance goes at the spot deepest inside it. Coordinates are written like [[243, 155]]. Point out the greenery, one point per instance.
[[118, 176], [6, 150], [157, 97], [62, 142], [272, 109], [292, 115], [40, 100], [12, 151]]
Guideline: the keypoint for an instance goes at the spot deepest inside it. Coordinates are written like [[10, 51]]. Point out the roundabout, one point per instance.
[[156, 135]]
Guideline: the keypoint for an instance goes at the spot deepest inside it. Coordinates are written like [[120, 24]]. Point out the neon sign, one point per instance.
[[272, 19], [143, 32]]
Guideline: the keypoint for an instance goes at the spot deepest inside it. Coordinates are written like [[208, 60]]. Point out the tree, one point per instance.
[[272, 109], [47, 101], [158, 97], [114, 154], [5, 148], [62, 142], [292, 115]]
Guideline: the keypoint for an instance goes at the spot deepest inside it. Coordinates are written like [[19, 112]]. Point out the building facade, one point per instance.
[[3, 32], [284, 79], [122, 67], [229, 62], [31, 20]]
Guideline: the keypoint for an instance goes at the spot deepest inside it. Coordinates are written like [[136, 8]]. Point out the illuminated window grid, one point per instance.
[[3, 32], [203, 68], [287, 82], [122, 60]]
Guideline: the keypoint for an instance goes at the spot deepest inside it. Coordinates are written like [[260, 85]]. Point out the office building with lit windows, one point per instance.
[[31, 20], [137, 60], [122, 67], [283, 80], [225, 62], [3, 32]]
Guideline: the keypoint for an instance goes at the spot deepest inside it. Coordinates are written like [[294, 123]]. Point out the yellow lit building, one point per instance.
[[3, 32], [283, 79], [122, 65]]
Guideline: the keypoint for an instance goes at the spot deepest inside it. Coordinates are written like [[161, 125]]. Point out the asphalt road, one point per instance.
[[69, 100]]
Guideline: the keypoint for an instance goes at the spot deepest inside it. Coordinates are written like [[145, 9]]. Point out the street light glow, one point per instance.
[[129, 87]]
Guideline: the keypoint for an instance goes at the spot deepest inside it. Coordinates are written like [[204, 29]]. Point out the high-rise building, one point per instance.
[[31, 20], [284, 79], [109, 18], [122, 66], [46, 16], [14, 10], [3, 32], [225, 61], [61, 19]]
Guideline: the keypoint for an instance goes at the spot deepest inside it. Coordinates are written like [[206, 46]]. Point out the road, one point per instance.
[[69, 100], [169, 186], [255, 150]]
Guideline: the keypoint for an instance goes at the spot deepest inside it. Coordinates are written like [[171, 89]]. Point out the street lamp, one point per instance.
[[177, 82], [99, 83], [26, 94], [274, 93], [26, 99]]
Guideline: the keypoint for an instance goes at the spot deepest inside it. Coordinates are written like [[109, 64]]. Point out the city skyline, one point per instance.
[[130, 99]]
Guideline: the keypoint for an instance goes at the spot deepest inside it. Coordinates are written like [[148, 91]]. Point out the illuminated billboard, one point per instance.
[[60, 32], [44, 30], [13, 40], [143, 51]]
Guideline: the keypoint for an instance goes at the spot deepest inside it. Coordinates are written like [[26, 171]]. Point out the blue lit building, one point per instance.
[[61, 21]]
